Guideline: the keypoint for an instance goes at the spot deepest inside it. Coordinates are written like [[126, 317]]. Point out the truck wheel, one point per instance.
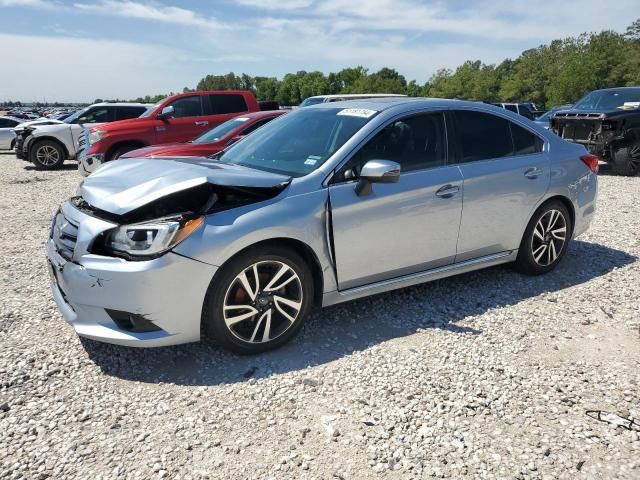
[[47, 155], [626, 161]]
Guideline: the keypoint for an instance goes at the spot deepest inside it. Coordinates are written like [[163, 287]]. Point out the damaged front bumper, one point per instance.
[[87, 164], [132, 303]]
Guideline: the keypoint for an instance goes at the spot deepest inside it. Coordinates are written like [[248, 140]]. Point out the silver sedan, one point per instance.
[[324, 205]]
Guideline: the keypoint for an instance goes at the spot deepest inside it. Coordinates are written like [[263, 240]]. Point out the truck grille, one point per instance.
[[64, 234], [83, 141]]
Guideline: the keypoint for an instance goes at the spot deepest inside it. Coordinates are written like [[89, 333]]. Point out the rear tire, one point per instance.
[[273, 309], [626, 161], [47, 155], [545, 240]]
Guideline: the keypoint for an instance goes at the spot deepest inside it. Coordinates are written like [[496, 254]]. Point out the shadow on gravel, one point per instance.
[[66, 166], [337, 331]]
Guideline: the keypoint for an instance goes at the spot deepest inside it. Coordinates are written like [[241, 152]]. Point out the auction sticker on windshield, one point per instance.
[[357, 112]]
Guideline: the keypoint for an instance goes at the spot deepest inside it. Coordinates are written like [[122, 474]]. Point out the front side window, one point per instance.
[[300, 141], [231, 103], [482, 135], [187, 107], [7, 123], [415, 142]]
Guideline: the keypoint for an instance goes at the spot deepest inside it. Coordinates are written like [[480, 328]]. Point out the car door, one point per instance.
[[397, 228], [6, 133], [187, 122], [506, 172]]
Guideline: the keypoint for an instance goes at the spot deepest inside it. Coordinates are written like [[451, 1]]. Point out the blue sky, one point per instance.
[[78, 50]]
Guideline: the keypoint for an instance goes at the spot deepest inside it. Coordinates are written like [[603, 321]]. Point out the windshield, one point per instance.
[[74, 117], [148, 111], [607, 99], [221, 130], [312, 101], [300, 141]]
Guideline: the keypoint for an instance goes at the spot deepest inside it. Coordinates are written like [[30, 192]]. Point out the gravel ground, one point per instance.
[[486, 375]]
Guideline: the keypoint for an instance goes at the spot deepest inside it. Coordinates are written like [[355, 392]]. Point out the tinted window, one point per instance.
[[415, 142], [482, 136], [255, 126], [526, 112], [187, 107], [227, 104], [98, 115], [7, 123], [511, 108], [124, 113], [524, 142]]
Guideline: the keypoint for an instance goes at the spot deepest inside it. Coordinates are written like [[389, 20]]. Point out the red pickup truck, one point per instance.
[[178, 118]]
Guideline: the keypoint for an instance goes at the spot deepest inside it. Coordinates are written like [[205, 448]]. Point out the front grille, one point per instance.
[[83, 141], [64, 234]]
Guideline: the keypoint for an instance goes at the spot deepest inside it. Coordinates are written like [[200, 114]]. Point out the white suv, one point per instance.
[[48, 146]]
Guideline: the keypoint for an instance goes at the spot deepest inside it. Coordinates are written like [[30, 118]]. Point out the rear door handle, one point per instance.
[[533, 172], [447, 191], [202, 123]]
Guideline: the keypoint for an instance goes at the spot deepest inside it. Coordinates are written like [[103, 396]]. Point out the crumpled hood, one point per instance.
[[122, 186]]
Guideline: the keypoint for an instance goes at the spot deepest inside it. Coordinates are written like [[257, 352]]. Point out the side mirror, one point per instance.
[[167, 112], [377, 171], [233, 140]]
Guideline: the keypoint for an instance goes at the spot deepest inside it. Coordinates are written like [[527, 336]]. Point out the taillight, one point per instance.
[[591, 161]]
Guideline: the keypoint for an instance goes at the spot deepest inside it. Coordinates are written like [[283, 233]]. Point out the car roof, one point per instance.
[[262, 114], [615, 88], [380, 104], [360, 95], [121, 104]]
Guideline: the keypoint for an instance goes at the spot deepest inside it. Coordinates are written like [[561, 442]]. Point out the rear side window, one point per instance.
[[256, 125], [98, 115], [524, 142], [187, 107], [526, 112], [511, 108], [483, 136], [232, 103], [124, 113]]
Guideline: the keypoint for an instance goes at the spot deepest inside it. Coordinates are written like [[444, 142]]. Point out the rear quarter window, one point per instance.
[[232, 103]]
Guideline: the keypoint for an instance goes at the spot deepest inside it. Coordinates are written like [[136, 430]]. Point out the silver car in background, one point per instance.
[[326, 204], [7, 135]]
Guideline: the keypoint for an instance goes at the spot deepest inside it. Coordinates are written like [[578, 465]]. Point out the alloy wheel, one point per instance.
[[47, 155], [549, 237], [263, 302]]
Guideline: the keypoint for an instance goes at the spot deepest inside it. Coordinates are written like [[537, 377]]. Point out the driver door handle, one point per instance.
[[202, 123], [447, 191]]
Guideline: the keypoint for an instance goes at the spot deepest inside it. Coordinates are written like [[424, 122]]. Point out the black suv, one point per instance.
[[607, 123]]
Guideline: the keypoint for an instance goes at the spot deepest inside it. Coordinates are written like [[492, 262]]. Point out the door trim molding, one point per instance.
[[337, 296]]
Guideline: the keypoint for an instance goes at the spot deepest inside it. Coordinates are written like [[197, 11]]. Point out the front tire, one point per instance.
[[258, 300], [626, 161], [47, 155], [118, 152], [545, 240]]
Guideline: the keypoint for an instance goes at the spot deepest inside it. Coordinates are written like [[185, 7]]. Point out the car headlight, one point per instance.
[[150, 239], [96, 135]]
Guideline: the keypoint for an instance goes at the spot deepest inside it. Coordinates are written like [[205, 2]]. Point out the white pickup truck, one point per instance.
[[48, 146]]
